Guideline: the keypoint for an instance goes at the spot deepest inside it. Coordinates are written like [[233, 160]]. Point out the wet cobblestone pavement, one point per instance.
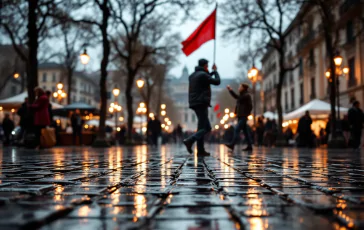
[[166, 188]]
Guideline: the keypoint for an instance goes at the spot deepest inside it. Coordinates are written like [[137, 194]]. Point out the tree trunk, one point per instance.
[[104, 64], [129, 104], [32, 64], [69, 82], [282, 72]]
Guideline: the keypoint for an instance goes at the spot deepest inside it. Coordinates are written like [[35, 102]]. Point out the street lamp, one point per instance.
[[60, 94], [163, 113], [253, 76], [84, 57], [163, 106], [116, 91], [140, 83], [16, 75]]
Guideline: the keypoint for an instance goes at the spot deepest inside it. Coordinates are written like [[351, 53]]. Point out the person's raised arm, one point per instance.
[[232, 93], [216, 79]]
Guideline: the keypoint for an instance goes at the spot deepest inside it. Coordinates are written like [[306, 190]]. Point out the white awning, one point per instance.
[[17, 100], [317, 108]]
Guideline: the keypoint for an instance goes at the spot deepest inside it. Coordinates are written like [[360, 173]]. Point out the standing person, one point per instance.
[[77, 123], [243, 109], [50, 112], [8, 127], [260, 131], [304, 130], [149, 132], [199, 97], [156, 131], [23, 114], [268, 132], [41, 116], [345, 125], [356, 119], [179, 134]]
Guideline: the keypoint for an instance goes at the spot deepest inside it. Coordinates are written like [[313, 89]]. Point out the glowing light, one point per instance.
[[87, 117], [222, 122], [16, 75], [226, 126], [121, 119], [12, 110], [151, 115], [169, 122], [253, 72], [140, 83], [86, 126], [163, 126], [327, 74], [116, 92], [217, 126], [142, 105], [166, 119], [163, 106], [346, 70], [227, 110], [63, 95], [232, 115], [111, 109], [250, 117], [84, 57], [163, 113], [1, 108], [144, 129], [166, 128], [118, 129], [338, 60], [55, 94], [59, 86]]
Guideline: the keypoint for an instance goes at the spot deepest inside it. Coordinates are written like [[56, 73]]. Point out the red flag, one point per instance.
[[216, 108], [204, 33]]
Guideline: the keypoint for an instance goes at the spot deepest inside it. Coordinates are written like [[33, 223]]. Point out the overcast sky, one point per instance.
[[226, 56]]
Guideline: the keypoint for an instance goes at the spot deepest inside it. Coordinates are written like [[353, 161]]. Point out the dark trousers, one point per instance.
[[154, 140], [356, 138], [7, 135], [242, 126], [203, 127], [77, 132], [38, 133]]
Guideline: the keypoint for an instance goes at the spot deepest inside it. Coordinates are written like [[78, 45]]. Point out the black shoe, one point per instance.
[[249, 148], [203, 154], [230, 146], [188, 145]]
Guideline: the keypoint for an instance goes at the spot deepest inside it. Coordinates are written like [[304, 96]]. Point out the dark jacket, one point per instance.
[[8, 126], [304, 125], [244, 104], [199, 93], [23, 114], [76, 121], [156, 127], [356, 118]]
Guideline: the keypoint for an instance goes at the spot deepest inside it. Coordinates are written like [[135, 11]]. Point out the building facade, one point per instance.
[[305, 48]]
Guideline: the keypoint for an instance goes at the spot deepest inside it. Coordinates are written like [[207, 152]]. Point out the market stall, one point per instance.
[[319, 112]]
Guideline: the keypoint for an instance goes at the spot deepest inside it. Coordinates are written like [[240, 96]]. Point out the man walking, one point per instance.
[[199, 97], [243, 109], [356, 119]]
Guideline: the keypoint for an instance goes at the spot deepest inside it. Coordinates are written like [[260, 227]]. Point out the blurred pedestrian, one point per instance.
[[260, 131], [243, 109], [50, 112], [345, 126], [356, 119], [288, 134], [23, 114], [268, 133], [77, 124], [41, 116], [156, 131], [8, 127], [328, 129], [304, 130], [149, 132], [199, 95], [179, 134]]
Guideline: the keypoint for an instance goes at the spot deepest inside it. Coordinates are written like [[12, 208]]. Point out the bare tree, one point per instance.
[[26, 23], [138, 20], [267, 20]]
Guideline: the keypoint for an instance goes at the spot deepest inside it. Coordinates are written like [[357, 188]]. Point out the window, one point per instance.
[[313, 88], [44, 77], [193, 118], [73, 99], [286, 100], [312, 57], [301, 67], [54, 77], [301, 93], [352, 79], [292, 99], [349, 32], [186, 117]]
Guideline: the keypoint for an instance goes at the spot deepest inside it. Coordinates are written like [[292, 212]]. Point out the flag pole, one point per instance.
[[215, 37]]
